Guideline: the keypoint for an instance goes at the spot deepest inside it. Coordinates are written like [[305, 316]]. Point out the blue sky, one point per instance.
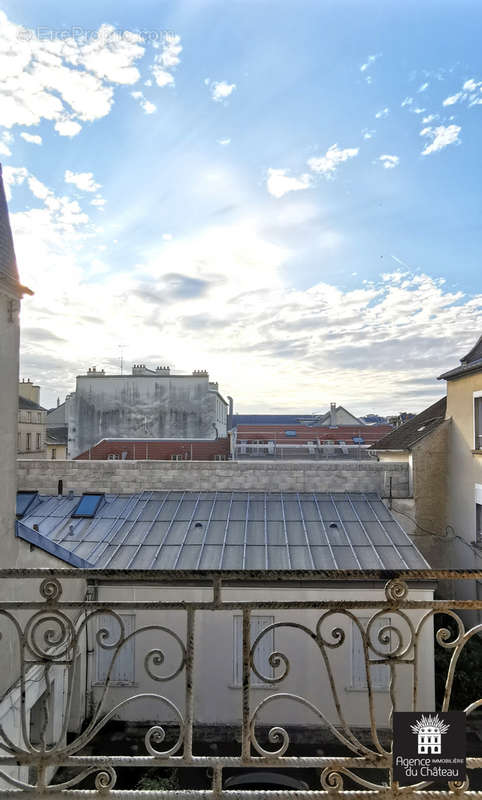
[[284, 193]]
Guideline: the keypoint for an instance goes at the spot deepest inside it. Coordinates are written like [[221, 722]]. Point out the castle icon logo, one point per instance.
[[429, 730]]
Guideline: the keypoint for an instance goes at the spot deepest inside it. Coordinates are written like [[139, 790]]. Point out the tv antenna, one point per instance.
[[122, 348]]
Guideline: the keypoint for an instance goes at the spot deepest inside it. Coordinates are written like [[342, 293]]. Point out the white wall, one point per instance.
[[218, 701]]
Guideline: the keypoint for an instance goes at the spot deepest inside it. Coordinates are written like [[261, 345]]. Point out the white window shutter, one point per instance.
[[379, 673], [263, 650], [123, 669]]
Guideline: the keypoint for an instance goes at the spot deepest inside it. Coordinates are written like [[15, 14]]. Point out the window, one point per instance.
[[53, 454], [123, 670], [24, 501], [379, 674], [478, 523], [39, 444], [39, 416], [19, 440], [290, 433], [478, 422], [29, 416], [112, 457], [29, 441], [177, 457], [263, 650], [88, 505], [219, 457]]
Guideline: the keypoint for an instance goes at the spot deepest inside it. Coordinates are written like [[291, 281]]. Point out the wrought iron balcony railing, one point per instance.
[[302, 671]]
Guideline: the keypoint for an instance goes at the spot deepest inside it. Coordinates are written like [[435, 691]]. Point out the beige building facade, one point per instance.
[[32, 422]]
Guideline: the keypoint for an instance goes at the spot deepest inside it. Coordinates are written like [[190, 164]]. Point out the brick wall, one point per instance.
[[132, 476]]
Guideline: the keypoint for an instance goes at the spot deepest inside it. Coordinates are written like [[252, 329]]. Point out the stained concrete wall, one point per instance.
[[133, 476], [133, 406]]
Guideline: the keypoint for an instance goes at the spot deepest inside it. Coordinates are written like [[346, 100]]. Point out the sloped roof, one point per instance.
[[271, 419], [307, 433], [411, 432], [472, 362], [169, 530], [8, 262], [25, 403], [57, 435]]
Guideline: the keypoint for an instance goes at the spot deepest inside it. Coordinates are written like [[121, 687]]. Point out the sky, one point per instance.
[[285, 193]]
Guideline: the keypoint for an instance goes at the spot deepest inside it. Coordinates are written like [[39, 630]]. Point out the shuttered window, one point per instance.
[[123, 669], [263, 651], [380, 674], [478, 422]]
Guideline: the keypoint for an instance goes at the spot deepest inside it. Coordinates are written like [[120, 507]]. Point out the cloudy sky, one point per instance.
[[283, 192]]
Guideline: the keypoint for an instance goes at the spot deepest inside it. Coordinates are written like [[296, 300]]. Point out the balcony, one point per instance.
[[228, 680]]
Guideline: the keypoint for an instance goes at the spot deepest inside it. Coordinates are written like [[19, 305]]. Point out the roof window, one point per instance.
[[24, 501], [290, 433], [88, 505]]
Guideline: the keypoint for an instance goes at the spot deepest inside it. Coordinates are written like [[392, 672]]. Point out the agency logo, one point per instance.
[[428, 747], [429, 730]]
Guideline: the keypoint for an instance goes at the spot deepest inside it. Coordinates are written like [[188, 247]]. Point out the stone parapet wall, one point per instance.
[[119, 477]]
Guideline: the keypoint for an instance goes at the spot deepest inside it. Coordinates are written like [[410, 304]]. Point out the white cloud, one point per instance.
[[98, 201], [232, 279], [32, 139], [389, 161], [67, 127], [144, 103], [223, 142], [328, 164], [83, 180], [6, 139], [441, 137], [406, 102], [167, 237], [423, 87], [471, 93], [454, 98], [279, 183], [419, 110], [167, 60], [368, 134], [429, 118], [383, 113], [13, 176], [67, 81], [220, 90], [38, 188], [370, 60]]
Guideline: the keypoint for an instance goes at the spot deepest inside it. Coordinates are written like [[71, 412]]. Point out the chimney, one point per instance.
[[231, 406], [332, 415]]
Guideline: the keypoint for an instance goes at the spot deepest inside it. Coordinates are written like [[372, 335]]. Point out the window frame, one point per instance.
[[477, 419]]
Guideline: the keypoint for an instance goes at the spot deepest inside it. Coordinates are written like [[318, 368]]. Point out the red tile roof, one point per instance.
[[306, 433]]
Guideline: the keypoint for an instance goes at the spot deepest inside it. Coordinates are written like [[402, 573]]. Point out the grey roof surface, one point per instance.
[[58, 434], [8, 263], [170, 530], [271, 419], [411, 432], [25, 403]]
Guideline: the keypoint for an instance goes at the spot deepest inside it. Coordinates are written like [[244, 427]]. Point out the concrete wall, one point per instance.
[[158, 406], [218, 699], [132, 476], [9, 346]]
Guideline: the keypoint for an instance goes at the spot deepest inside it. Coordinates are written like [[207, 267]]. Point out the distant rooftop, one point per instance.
[[472, 362], [411, 432], [25, 404]]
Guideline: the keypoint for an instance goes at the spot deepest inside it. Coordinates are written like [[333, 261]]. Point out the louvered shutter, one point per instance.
[[123, 670], [263, 650], [380, 674]]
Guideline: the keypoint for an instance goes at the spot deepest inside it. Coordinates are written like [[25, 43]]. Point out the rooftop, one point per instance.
[[174, 530], [472, 362], [411, 432], [30, 405]]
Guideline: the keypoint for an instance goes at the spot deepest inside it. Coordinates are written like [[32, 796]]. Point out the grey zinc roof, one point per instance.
[[171, 530]]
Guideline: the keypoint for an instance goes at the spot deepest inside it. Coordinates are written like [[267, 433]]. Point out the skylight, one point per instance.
[[24, 501], [88, 505]]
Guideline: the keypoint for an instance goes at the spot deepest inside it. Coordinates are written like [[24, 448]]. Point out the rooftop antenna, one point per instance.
[[121, 348]]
